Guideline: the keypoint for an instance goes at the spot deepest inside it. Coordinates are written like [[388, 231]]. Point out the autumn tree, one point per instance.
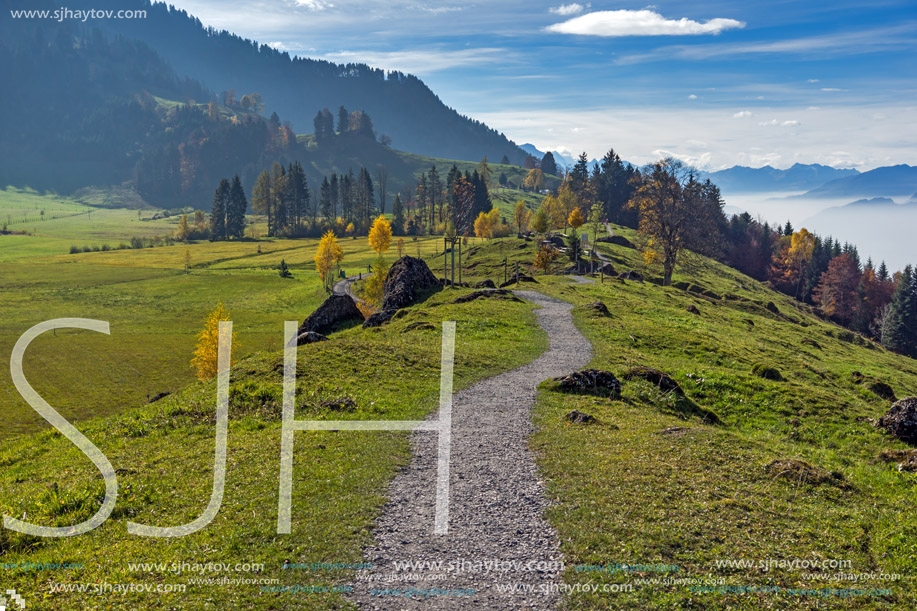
[[836, 293], [788, 271], [206, 355], [380, 235], [596, 219], [540, 222], [534, 180], [575, 219], [328, 254], [522, 216], [676, 213], [486, 222], [545, 257]]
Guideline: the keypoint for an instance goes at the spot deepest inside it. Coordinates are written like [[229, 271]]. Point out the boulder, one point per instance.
[[521, 278], [380, 317], [336, 311], [591, 381], [901, 420], [406, 280], [487, 293], [608, 269], [485, 284], [310, 337], [906, 460], [631, 275], [158, 396], [578, 417], [556, 241], [770, 306], [693, 309], [663, 381]]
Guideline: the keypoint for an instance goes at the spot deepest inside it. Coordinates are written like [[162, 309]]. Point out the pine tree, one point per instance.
[[263, 198], [218, 211], [343, 120], [899, 330], [325, 202], [235, 213], [398, 215], [505, 160]]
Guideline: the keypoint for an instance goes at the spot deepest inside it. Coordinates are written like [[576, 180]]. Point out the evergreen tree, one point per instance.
[[788, 229], [505, 160], [235, 213], [343, 120], [548, 164], [325, 202], [883, 274], [278, 197], [899, 329], [218, 211], [262, 198], [398, 214], [503, 179], [334, 193]]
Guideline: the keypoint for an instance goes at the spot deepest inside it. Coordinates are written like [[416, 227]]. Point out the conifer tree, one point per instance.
[[218, 211], [235, 212], [899, 329]]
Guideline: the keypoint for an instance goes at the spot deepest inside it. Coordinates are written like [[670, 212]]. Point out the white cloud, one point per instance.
[[830, 89], [813, 80], [775, 122], [692, 97], [742, 114], [314, 5], [849, 43], [565, 10], [420, 62], [814, 108], [639, 23], [701, 162]]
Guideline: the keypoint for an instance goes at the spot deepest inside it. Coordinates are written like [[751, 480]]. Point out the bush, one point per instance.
[[74, 250]]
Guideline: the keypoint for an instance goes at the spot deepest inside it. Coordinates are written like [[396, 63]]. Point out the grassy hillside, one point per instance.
[[634, 490], [164, 453]]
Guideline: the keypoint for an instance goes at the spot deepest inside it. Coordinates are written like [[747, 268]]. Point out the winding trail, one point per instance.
[[497, 501]]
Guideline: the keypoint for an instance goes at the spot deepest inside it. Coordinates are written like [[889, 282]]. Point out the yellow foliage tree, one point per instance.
[[575, 219], [534, 180], [544, 258], [400, 245], [555, 212], [206, 356], [380, 235], [374, 287], [351, 229], [486, 222], [328, 254], [522, 216]]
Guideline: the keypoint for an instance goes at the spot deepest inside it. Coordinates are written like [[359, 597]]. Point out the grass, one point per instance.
[[163, 451], [790, 472], [628, 493]]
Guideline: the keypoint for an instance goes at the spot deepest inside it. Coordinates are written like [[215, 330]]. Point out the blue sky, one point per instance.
[[714, 83]]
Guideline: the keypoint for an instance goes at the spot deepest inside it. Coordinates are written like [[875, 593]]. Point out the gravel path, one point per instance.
[[496, 502]]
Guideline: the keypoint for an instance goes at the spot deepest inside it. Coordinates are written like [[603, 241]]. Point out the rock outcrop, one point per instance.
[[901, 420], [590, 381], [335, 312]]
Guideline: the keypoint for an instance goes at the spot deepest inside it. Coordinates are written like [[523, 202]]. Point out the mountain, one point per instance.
[[881, 228], [886, 181], [401, 105], [799, 177]]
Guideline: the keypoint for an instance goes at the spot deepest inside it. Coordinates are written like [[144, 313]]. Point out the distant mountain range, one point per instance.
[[799, 177], [562, 160], [889, 181]]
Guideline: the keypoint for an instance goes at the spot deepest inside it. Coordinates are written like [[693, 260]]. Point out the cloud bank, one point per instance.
[[639, 23]]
